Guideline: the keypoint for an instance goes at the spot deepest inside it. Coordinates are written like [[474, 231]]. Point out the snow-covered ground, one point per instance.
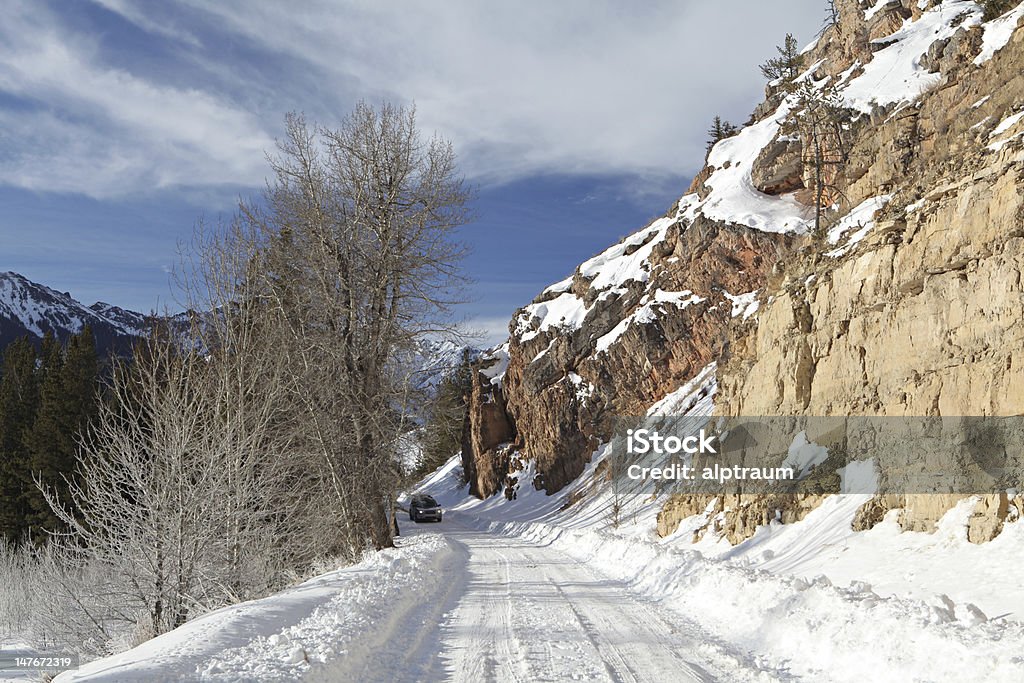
[[809, 601], [526, 590], [299, 632]]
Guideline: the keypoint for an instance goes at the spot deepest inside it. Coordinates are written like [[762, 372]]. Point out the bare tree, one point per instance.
[[360, 263], [831, 16], [176, 501], [268, 485], [267, 437]]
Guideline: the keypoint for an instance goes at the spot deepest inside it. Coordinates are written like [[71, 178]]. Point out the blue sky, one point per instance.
[[122, 122]]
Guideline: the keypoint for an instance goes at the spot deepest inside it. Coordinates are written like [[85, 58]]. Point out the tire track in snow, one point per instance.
[[614, 670], [486, 645], [404, 645], [576, 623]]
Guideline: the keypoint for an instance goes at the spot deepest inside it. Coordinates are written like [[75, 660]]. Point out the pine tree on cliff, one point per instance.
[[67, 402], [720, 129], [786, 67], [19, 397], [821, 121]]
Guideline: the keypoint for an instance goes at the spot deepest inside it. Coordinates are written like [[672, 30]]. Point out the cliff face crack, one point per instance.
[[806, 365]]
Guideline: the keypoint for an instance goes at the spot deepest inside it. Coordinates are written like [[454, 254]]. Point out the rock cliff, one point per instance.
[[628, 327], [923, 315], [908, 300]]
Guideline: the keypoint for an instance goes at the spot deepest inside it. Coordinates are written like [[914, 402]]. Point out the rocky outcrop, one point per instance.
[[912, 304], [734, 517], [924, 316], [632, 340], [488, 431], [561, 423], [779, 167]]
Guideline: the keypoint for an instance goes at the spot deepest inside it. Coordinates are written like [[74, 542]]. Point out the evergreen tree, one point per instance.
[[821, 120], [51, 355], [67, 402], [19, 397], [720, 129], [786, 67], [443, 432]]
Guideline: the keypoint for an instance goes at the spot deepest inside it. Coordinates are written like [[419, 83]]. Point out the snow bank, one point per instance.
[[813, 629], [895, 73], [292, 634], [862, 216], [870, 12], [998, 33], [923, 566], [803, 456], [1005, 125], [733, 197], [696, 397]]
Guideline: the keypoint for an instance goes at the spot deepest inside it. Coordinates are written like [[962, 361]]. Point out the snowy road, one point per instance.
[[528, 613], [509, 609]]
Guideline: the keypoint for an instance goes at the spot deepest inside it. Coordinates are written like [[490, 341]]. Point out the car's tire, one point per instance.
[[412, 517]]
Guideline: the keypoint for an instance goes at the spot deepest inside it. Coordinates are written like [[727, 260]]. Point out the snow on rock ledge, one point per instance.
[[631, 325]]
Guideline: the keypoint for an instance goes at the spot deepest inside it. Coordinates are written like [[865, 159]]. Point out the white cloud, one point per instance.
[[140, 17], [99, 130], [571, 86], [487, 331], [521, 88]]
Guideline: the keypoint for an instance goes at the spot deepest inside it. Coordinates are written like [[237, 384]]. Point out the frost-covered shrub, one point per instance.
[[50, 602], [18, 588]]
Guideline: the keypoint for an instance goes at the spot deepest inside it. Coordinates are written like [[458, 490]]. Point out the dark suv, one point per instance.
[[423, 508]]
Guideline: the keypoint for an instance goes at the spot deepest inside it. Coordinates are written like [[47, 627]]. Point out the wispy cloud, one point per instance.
[[574, 86], [581, 86], [142, 18], [98, 129]]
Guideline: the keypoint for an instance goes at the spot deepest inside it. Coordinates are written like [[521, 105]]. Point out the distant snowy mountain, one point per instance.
[[29, 308], [434, 359], [130, 321]]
